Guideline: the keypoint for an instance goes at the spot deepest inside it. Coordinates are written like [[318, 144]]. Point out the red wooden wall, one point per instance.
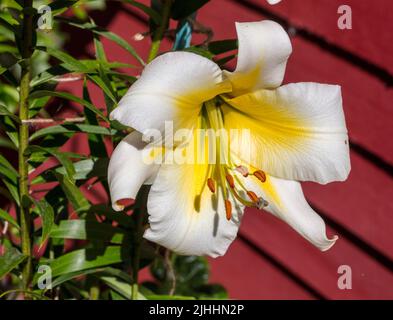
[[269, 260]]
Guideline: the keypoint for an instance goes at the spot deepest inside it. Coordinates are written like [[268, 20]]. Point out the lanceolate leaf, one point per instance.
[[71, 128], [5, 112], [104, 87], [9, 176], [7, 217], [153, 14], [84, 259], [107, 34], [96, 142], [47, 216], [84, 169], [73, 193], [120, 287], [11, 259], [61, 157], [88, 230], [68, 96], [75, 64]]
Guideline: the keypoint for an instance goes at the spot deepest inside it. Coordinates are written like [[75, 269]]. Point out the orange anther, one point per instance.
[[252, 196], [228, 209], [230, 181], [211, 184], [260, 175]]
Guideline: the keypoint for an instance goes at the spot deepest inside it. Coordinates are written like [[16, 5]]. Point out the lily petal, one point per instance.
[[297, 132], [129, 169], [185, 216], [264, 48], [172, 87], [287, 202]]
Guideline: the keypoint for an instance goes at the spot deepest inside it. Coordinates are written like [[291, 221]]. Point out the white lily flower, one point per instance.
[[297, 133]]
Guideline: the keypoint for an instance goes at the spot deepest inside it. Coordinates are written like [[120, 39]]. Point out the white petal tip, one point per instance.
[[273, 1], [330, 244]]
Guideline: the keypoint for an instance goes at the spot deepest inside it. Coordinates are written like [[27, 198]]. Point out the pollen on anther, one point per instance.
[[211, 184], [230, 181], [228, 209], [260, 175]]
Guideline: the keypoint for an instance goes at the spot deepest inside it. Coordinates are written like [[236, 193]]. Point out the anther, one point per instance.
[[228, 209], [242, 170], [259, 174], [252, 196], [230, 181], [211, 184]]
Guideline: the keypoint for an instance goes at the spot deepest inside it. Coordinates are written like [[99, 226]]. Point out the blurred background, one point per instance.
[[269, 260]]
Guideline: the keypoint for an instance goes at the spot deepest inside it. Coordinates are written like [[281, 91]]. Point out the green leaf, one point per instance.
[[96, 142], [47, 216], [9, 176], [7, 143], [101, 83], [10, 260], [68, 96], [182, 9], [222, 46], [61, 157], [7, 217], [200, 51], [59, 6], [88, 230], [120, 287], [5, 112], [168, 297], [7, 25], [71, 128], [73, 193], [153, 14], [106, 34], [84, 259], [7, 170], [76, 65], [84, 169]]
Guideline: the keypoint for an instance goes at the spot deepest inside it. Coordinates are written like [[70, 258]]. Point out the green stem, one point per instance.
[[141, 212], [25, 221], [159, 33]]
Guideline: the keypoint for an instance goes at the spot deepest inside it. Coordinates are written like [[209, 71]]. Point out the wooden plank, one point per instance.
[[367, 101], [369, 278], [369, 37], [246, 275]]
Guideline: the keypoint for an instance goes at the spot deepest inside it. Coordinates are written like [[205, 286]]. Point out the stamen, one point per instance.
[[259, 174], [230, 180], [242, 170], [253, 196], [211, 184], [228, 209]]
